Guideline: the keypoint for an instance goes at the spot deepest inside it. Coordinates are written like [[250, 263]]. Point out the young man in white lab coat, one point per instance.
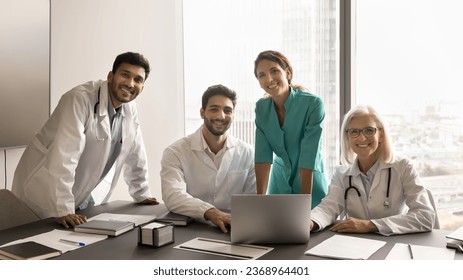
[[201, 171], [94, 127]]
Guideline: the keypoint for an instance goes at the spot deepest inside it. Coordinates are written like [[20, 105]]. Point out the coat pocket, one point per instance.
[[235, 181]]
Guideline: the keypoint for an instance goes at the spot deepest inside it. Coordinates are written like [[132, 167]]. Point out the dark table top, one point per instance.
[[125, 246]]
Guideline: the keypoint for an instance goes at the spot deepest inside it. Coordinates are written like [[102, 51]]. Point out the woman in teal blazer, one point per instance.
[[289, 124]]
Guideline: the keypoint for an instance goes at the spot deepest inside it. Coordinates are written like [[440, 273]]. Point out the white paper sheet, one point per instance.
[[346, 247], [224, 248], [136, 219], [457, 234], [52, 239], [401, 251]]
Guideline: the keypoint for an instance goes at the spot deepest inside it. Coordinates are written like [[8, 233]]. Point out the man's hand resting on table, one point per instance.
[[71, 220], [313, 226], [149, 201], [218, 218], [353, 225]]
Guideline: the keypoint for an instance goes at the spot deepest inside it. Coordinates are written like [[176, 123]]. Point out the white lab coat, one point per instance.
[[192, 184], [410, 208], [64, 161]]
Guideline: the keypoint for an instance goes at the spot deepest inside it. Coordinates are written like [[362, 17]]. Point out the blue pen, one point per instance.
[[72, 242]]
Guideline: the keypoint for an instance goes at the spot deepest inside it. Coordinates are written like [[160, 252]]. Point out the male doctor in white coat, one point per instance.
[[200, 172], [94, 126]]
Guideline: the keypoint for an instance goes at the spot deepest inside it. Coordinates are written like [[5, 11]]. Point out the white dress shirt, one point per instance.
[[192, 183]]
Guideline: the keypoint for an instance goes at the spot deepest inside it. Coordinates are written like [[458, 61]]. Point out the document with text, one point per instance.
[[346, 247]]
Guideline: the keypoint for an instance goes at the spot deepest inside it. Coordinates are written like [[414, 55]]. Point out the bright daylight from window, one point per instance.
[[409, 68], [223, 38]]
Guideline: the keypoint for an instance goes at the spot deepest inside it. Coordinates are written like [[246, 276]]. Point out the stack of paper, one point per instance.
[[402, 251], [346, 247]]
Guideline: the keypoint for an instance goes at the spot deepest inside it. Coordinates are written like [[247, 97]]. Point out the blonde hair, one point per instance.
[[385, 150]]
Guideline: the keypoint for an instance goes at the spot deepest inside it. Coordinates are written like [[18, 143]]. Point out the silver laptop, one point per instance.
[[270, 219]]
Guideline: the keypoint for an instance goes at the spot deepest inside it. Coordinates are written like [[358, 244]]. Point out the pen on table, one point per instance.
[[72, 242], [410, 250]]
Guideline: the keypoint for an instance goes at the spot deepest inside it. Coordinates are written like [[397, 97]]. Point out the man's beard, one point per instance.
[[209, 126]]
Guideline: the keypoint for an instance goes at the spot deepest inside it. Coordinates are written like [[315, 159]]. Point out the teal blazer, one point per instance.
[[297, 144]]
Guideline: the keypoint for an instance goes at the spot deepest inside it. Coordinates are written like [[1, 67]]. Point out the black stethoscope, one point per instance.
[[97, 105], [386, 201]]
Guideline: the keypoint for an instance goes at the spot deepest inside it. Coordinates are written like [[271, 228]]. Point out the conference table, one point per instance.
[[125, 246]]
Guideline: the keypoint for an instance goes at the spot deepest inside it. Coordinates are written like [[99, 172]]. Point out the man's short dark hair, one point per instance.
[[218, 90], [133, 59]]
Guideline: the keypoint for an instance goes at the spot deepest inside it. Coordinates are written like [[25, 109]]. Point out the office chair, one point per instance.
[[431, 198], [13, 212]]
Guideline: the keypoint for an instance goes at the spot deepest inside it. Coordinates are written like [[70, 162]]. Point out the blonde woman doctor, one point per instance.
[[373, 191]]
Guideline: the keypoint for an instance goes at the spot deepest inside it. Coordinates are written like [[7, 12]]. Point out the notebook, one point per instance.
[[270, 219], [176, 219], [112, 228], [29, 250]]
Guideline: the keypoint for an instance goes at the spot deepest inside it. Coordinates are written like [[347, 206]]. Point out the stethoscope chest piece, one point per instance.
[[386, 202]]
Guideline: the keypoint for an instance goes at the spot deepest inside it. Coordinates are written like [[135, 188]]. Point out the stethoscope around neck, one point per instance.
[[386, 203], [95, 108], [97, 103]]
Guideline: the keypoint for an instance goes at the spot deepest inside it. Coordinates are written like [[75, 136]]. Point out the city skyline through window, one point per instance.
[[409, 69], [223, 38]]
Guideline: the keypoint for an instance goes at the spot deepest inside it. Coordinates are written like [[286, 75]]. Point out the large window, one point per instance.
[[408, 65], [407, 60], [223, 37]]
